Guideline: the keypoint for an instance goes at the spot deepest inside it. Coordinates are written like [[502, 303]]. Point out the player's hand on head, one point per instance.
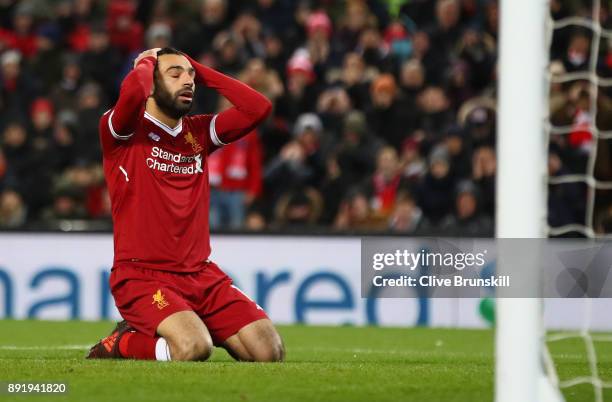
[[146, 53]]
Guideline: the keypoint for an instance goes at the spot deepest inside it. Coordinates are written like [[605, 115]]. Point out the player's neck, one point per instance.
[[154, 110]]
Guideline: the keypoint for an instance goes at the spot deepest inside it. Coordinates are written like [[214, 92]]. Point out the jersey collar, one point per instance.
[[172, 131]]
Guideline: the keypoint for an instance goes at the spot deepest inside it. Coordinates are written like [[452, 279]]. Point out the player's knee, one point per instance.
[[273, 351], [192, 348]]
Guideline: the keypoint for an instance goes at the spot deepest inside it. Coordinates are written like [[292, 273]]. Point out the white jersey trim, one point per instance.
[[172, 131], [213, 133], [113, 132]]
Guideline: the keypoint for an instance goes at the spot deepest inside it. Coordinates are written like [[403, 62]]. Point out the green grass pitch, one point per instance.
[[323, 364]]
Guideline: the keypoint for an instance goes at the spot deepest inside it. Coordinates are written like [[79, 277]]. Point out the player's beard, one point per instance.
[[169, 103]]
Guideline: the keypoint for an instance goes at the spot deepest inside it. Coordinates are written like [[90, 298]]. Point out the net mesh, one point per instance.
[[595, 82], [588, 339], [593, 24]]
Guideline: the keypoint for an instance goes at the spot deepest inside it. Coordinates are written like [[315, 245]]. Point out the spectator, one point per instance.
[[333, 104], [354, 22], [275, 52], [90, 108], [46, 63], [229, 53], [483, 175], [67, 204], [412, 164], [22, 37], [99, 59], [125, 33], [355, 81], [18, 87], [566, 202], [604, 221], [247, 30], [255, 221], [433, 60], [407, 217], [447, 28], [467, 219], [64, 137], [300, 162], [389, 119], [64, 92], [478, 53], [397, 41], [492, 18], [383, 186], [302, 89], [319, 30], [212, 20], [16, 152], [480, 126], [412, 78], [263, 79], [299, 209], [235, 175], [355, 214], [159, 35], [41, 113], [333, 188], [275, 14], [372, 49], [459, 151], [435, 193], [12, 210], [577, 55], [581, 138], [356, 150], [436, 114]]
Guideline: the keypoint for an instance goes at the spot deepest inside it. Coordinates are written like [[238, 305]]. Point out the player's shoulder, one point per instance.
[[200, 123], [108, 129], [104, 121], [106, 114]]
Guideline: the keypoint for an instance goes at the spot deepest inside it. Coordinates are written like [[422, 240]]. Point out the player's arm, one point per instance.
[[249, 106], [136, 87]]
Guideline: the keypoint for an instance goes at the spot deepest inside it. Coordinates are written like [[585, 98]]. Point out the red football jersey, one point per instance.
[[158, 184], [157, 175]]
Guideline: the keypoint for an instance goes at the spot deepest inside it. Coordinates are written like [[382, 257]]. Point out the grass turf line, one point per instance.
[[323, 364]]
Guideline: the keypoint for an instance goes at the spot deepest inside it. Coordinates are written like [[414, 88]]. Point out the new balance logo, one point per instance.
[[154, 136]]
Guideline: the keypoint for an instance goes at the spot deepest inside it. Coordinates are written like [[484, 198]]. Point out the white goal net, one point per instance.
[[554, 185], [575, 125]]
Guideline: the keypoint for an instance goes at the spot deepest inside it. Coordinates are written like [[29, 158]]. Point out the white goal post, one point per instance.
[[522, 151]]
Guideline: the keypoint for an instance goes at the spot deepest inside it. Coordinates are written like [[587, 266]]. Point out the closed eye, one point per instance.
[[175, 71]]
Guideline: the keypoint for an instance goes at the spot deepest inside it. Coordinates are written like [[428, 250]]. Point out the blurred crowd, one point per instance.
[[384, 110]]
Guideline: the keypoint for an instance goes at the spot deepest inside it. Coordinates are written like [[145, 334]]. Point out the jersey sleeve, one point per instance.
[[119, 123], [215, 132], [107, 134], [209, 127], [249, 107]]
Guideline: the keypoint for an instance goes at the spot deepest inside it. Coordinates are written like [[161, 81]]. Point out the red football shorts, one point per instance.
[[145, 297]]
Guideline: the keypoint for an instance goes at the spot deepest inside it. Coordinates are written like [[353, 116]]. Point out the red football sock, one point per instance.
[[136, 345]]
